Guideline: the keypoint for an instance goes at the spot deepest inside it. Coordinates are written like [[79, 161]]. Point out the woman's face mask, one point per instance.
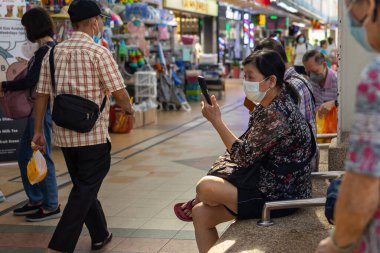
[[357, 29], [252, 91], [301, 40]]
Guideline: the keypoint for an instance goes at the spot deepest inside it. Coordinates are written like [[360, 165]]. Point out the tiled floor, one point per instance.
[[152, 169]]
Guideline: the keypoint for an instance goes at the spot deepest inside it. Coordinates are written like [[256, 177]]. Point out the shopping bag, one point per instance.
[[327, 124], [37, 168], [122, 123]]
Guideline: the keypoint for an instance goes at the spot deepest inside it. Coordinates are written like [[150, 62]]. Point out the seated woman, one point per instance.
[[270, 161]]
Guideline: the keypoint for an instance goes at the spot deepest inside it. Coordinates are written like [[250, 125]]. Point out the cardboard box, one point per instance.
[[150, 116], [139, 119]]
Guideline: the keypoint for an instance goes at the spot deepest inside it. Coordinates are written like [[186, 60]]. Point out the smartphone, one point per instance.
[[203, 85]]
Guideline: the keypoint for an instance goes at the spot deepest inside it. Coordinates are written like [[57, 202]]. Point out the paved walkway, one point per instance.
[[152, 169]]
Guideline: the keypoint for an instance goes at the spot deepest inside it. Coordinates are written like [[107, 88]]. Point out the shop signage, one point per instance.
[[13, 46], [10, 135], [228, 12], [233, 14], [207, 7]]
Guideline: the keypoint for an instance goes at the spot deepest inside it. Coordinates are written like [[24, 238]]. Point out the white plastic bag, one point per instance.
[[37, 168]]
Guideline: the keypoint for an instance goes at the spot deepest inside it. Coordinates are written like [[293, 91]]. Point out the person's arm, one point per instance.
[[358, 197], [358, 200], [40, 109], [326, 107], [32, 76], [260, 137], [111, 78], [122, 99], [43, 93]]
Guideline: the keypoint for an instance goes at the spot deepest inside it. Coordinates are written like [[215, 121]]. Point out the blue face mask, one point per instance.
[[96, 37], [301, 40], [359, 33]]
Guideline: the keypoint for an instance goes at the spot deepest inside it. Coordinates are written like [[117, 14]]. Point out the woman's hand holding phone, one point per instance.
[[211, 112]]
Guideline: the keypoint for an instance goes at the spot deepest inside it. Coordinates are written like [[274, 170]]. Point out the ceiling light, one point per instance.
[[287, 7], [299, 24]]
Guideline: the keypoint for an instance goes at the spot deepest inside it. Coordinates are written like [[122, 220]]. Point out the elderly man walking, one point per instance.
[[86, 69]]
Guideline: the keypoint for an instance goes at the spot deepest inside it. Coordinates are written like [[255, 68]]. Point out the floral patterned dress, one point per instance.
[[279, 135], [364, 148]]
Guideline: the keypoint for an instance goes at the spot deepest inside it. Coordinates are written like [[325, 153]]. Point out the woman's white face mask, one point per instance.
[[252, 91]]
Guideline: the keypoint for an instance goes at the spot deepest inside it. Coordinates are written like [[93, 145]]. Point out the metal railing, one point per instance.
[[298, 203]]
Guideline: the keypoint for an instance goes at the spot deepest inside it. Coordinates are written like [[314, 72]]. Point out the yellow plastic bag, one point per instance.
[[37, 168]]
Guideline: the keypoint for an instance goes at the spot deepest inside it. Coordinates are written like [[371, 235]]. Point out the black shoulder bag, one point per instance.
[[70, 111]]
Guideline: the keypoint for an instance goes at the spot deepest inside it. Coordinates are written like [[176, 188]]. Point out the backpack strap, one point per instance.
[[53, 81]]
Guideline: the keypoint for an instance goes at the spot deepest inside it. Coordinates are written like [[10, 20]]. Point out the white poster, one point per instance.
[[14, 49]]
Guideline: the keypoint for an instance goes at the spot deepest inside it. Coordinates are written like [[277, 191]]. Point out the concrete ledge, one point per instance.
[[298, 233]]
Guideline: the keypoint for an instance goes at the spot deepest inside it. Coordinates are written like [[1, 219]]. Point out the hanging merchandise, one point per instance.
[[137, 31], [107, 39], [163, 32], [133, 60], [140, 58], [122, 50], [136, 11], [154, 15]]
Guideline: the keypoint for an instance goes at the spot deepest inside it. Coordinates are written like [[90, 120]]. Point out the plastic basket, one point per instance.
[[145, 85]]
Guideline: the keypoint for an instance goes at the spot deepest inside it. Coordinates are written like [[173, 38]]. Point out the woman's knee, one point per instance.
[[206, 187]]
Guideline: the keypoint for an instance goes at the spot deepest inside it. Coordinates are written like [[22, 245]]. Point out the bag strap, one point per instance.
[[307, 86], [52, 70], [52, 76]]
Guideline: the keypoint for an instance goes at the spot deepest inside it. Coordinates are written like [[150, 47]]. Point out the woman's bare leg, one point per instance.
[[214, 194], [205, 218]]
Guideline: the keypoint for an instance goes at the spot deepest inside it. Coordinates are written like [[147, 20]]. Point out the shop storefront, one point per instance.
[[195, 21], [230, 27], [236, 36]]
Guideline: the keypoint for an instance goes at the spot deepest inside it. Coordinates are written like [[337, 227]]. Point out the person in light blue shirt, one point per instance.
[[324, 51]]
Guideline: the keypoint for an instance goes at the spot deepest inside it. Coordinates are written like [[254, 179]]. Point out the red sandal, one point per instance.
[[180, 212]]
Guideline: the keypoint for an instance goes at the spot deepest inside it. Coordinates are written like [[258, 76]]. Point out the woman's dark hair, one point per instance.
[[37, 23], [330, 40], [273, 45], [269, 63]]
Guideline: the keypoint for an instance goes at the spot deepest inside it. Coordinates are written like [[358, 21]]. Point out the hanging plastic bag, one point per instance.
[[331, 122], [122, 123], [37, 168], [327, 124]]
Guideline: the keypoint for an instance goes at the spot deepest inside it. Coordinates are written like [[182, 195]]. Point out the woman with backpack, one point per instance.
[[43, 197]]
